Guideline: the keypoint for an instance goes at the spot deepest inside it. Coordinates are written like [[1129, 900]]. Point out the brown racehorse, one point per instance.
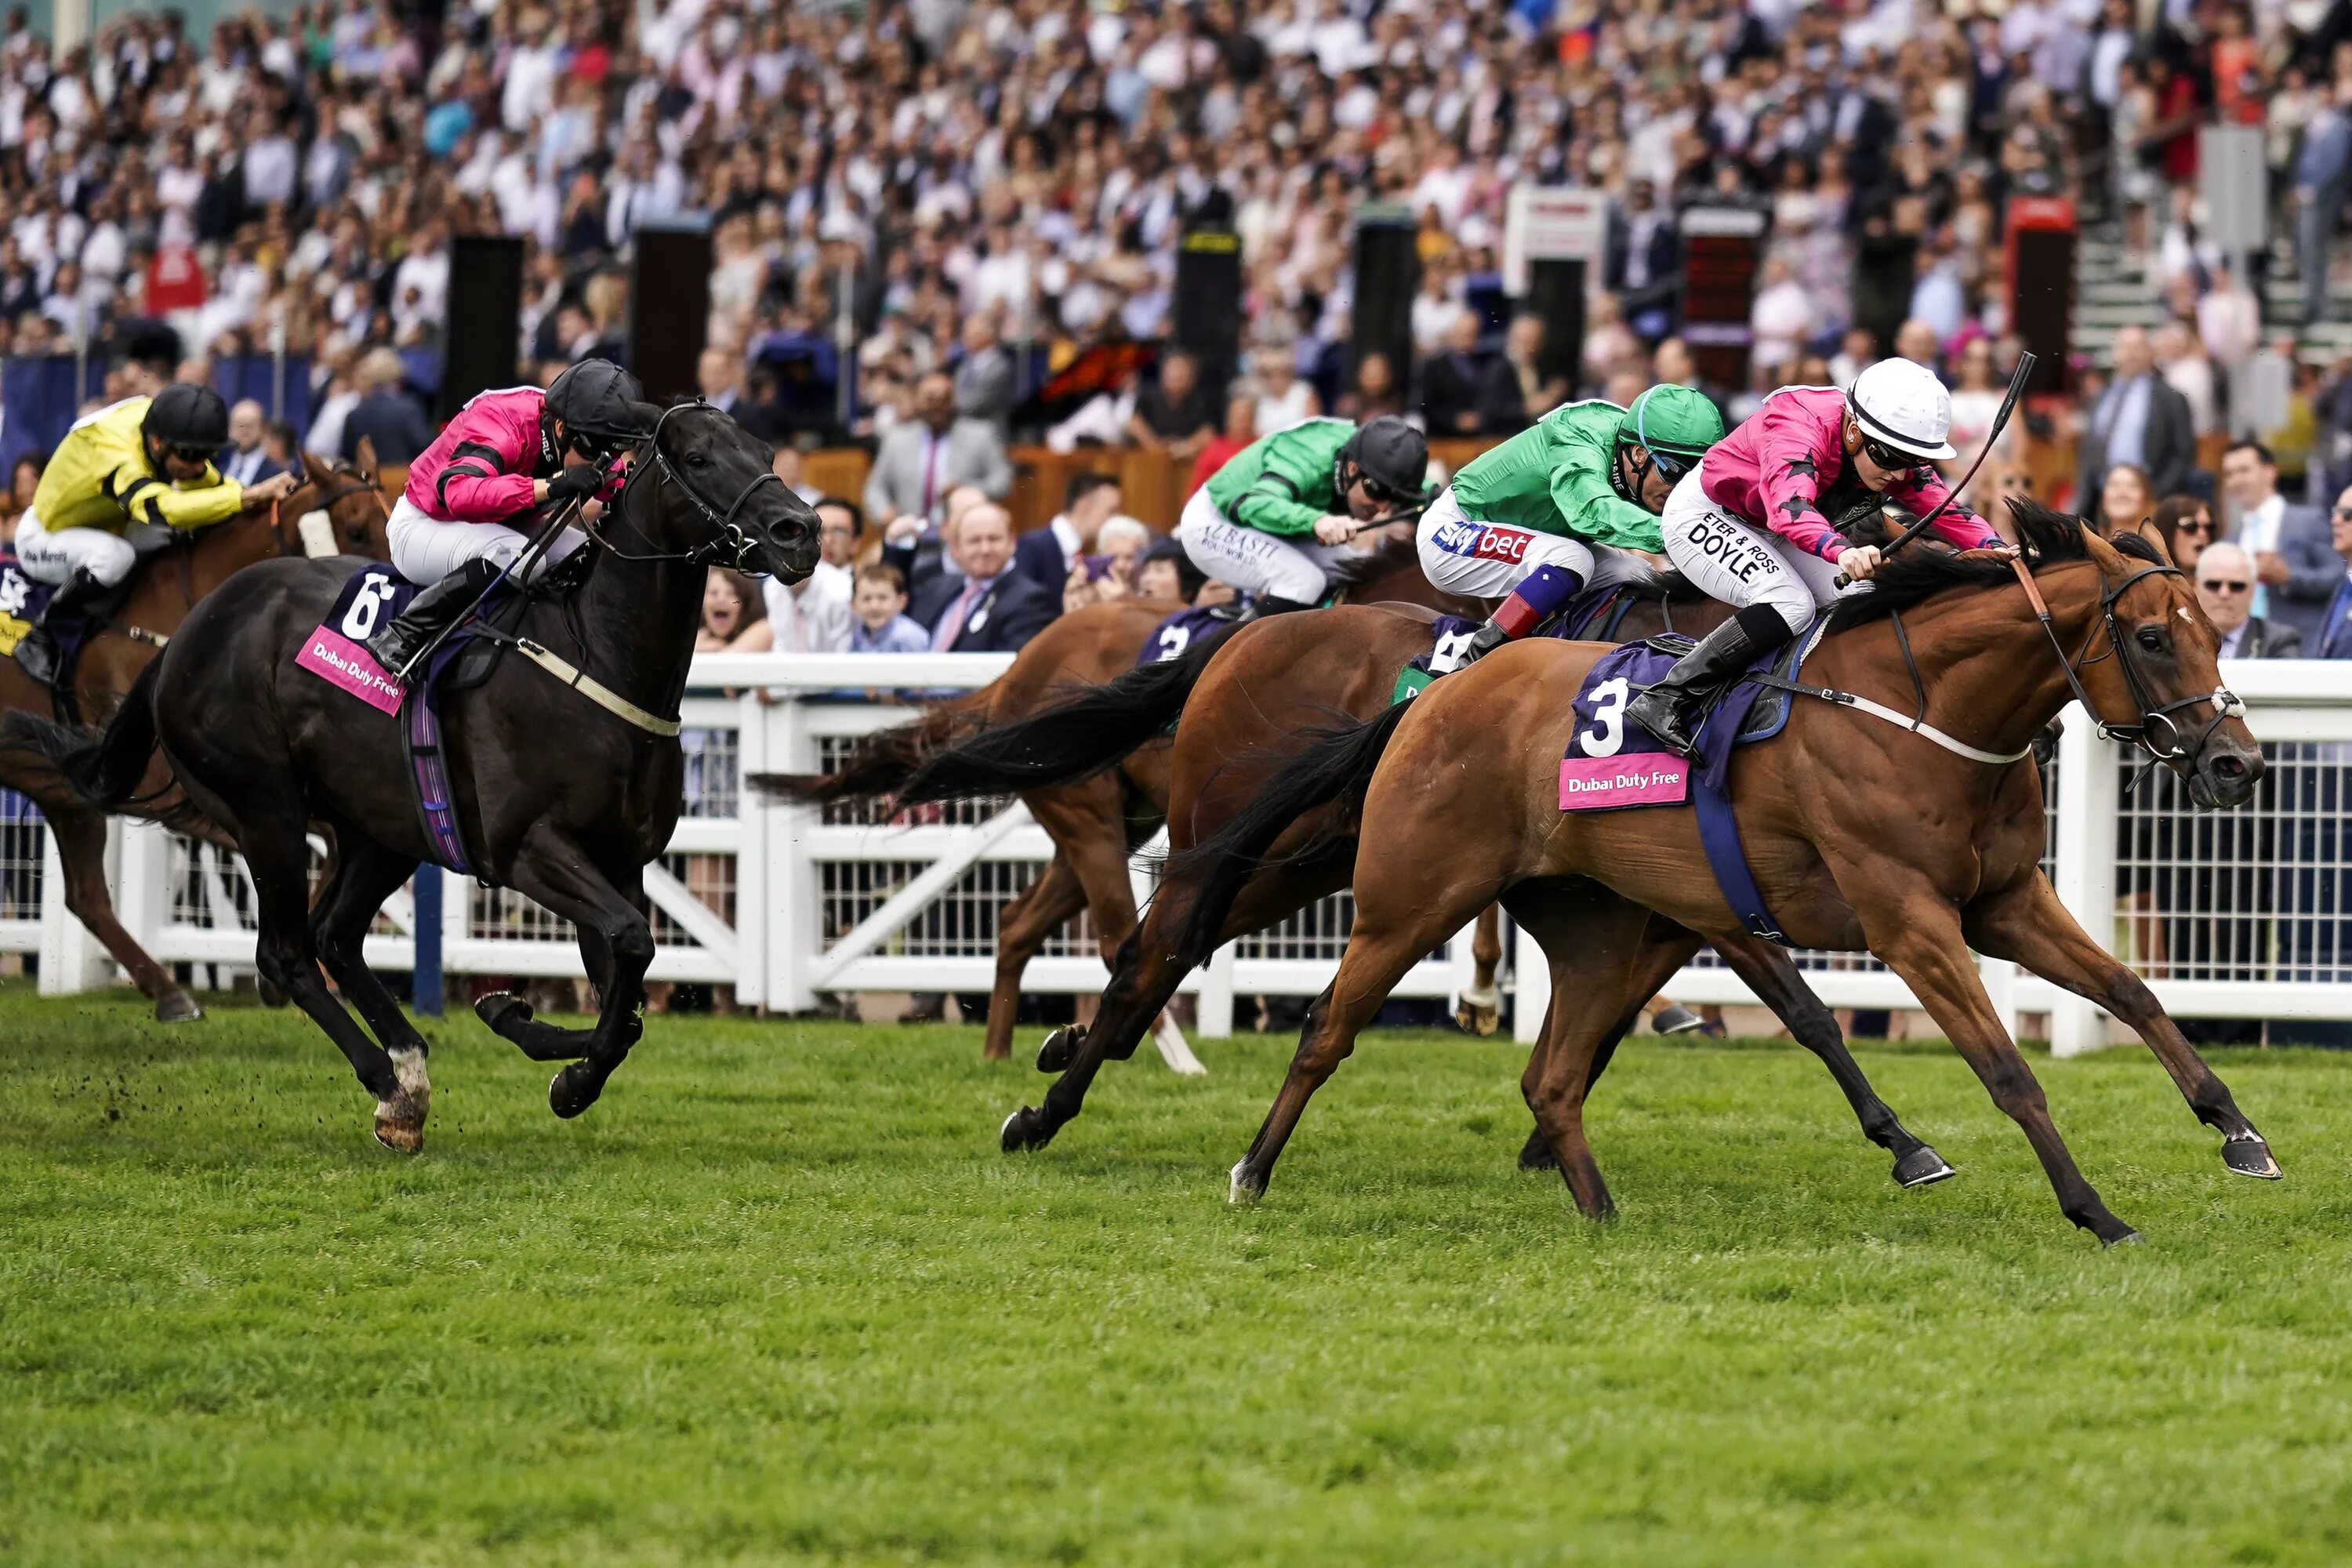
[[1860, 833], [1253, 709], [167, 587]]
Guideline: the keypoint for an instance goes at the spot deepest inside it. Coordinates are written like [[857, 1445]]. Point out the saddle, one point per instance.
[[25, 602]]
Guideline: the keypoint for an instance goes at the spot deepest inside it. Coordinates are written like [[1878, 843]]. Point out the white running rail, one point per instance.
[[2238, 914]]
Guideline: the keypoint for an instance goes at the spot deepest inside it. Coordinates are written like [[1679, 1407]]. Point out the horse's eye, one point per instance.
[[2151, 639], [697, 460]]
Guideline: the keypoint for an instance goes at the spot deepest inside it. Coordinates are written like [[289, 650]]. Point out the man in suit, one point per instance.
[[983, 377], [991, 608], [2225, 587], [1046, 555], [2295, 568], [1643, 261], [1464, 392], [386, 416], [2335, 639], [2138, 420], [920, 460], [245, 460]]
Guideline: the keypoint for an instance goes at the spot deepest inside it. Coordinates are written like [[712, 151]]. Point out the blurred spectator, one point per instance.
[[282, 447], [983, 380], [2322, 178], [883, 625], [2139, 420], [718, 377], [1917, 341], [918, 462], [1046, 555], [1375, 392], [1609, 343], [24, 478], [2335, 638], [1464, 390], [1977, 394], [733, 618], [2189, 372], [2123, 498], [787, 464], [1172, 414], [1643, 262], [1537, 393], [2294, 562], [1283, 399], [243, 459], [385, 415], [991, 607], [2229, 324], [1238, 431], [1857, 351], [2185, 525], [1783, 319], [2225, 588]]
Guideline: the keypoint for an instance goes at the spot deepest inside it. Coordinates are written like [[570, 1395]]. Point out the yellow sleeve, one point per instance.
[[150, 500]]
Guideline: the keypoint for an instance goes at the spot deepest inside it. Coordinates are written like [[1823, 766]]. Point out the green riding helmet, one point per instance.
[[1674, 426]]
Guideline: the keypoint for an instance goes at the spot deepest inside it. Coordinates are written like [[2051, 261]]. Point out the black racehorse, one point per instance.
[[564, 796]]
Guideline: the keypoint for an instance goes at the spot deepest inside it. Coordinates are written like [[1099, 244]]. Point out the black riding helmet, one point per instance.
[[592, 400], [185, 418], [1389, 455]]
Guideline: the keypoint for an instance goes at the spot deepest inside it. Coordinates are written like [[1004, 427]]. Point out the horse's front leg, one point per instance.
[[561, 876]]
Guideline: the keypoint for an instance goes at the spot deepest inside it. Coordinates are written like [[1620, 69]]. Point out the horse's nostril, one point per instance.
[[2230, 767]]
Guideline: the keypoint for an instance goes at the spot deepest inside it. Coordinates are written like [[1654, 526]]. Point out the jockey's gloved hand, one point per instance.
[[577, 483]]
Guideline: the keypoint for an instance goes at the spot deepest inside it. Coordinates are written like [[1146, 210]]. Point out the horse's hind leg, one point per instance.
[[1023, 926], [365, 874], [80, 836], [604, 903], [2027, 923], [1773, 976], [1480, 1010]]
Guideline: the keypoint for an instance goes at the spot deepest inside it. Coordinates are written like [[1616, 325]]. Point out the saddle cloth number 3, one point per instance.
[[359, 621], [1608, 731]]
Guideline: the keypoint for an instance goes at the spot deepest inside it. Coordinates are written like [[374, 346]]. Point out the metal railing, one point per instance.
[[2246, 914]]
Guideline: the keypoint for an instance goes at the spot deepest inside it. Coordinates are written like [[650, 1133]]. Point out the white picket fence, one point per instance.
[[2240, 914]]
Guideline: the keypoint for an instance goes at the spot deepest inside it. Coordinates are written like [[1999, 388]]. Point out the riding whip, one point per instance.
[[2017, 380]]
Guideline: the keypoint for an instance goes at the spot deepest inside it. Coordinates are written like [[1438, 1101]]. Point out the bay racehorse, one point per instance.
[[564, 796], [1915, 838], [168, 584], [1092, 766], [1253, 710]]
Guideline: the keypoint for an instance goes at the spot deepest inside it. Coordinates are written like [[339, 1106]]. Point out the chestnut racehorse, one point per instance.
[[168, 584], [1859, 833]]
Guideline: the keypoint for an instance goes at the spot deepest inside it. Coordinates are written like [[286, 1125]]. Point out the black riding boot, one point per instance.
[[1259, 607], [37, 654], [396, 645], [1670, 709]]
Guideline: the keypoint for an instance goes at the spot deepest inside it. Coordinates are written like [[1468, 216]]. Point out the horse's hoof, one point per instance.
[[400, 1137], [1472, 1020], [1244, 1186], [1538, 1154], [176, 1006], [1676, 1020], [573, 1091], [1058, 1050], [502, 1010], [1025, 1129], [1921, 1167], [2130, 1237], [2251, 1157]]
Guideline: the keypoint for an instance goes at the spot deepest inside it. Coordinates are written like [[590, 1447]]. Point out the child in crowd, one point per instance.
[[879, 602]]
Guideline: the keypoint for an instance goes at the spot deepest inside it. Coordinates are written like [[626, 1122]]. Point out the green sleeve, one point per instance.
[[150, 500], [1590, 506], [1293, 490]]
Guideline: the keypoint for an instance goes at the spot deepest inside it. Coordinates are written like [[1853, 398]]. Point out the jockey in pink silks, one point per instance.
[[1748, 525], [506, 456]]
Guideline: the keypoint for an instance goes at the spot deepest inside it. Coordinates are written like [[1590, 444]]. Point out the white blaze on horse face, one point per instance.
[[318, 534]]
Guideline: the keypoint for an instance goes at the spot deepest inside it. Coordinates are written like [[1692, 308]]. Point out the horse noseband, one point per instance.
[[730, 546]]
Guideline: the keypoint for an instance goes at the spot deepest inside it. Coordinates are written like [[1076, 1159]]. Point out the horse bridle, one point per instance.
[[730, 546], [2225, 703]]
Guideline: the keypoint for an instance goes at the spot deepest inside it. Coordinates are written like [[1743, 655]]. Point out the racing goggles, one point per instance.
[[602, 451], [192, 454], [1892, 459]]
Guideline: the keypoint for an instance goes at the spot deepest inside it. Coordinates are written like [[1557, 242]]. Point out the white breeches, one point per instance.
[[1741, 564], [1253, 560], [425, 550], [56, 557], [1488, 559]]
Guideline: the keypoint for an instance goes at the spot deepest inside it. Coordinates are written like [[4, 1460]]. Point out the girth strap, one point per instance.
[[588, 686], [1917, 726]]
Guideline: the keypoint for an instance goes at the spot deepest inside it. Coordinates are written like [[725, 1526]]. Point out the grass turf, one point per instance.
[[779, 1299]]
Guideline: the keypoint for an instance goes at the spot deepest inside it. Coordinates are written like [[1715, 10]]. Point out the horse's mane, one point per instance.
[[2047, 536]]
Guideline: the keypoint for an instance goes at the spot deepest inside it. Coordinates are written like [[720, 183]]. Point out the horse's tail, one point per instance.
[[1338, 765], [1093, 729], [879, 763], [104, 769]]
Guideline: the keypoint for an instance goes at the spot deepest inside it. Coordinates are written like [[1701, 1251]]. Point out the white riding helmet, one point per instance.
[[1899, 403]]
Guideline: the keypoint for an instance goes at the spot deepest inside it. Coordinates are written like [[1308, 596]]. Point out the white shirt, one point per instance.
[[815, 618], [244, 467], [2258, 530]]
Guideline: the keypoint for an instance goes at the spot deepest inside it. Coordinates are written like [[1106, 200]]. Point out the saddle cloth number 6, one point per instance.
[[359, 621], [1608, 731]]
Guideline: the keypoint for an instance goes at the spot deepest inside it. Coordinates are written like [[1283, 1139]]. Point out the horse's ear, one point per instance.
[[365, 455], [315, 469], [2104, 556], [2146, 528]]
